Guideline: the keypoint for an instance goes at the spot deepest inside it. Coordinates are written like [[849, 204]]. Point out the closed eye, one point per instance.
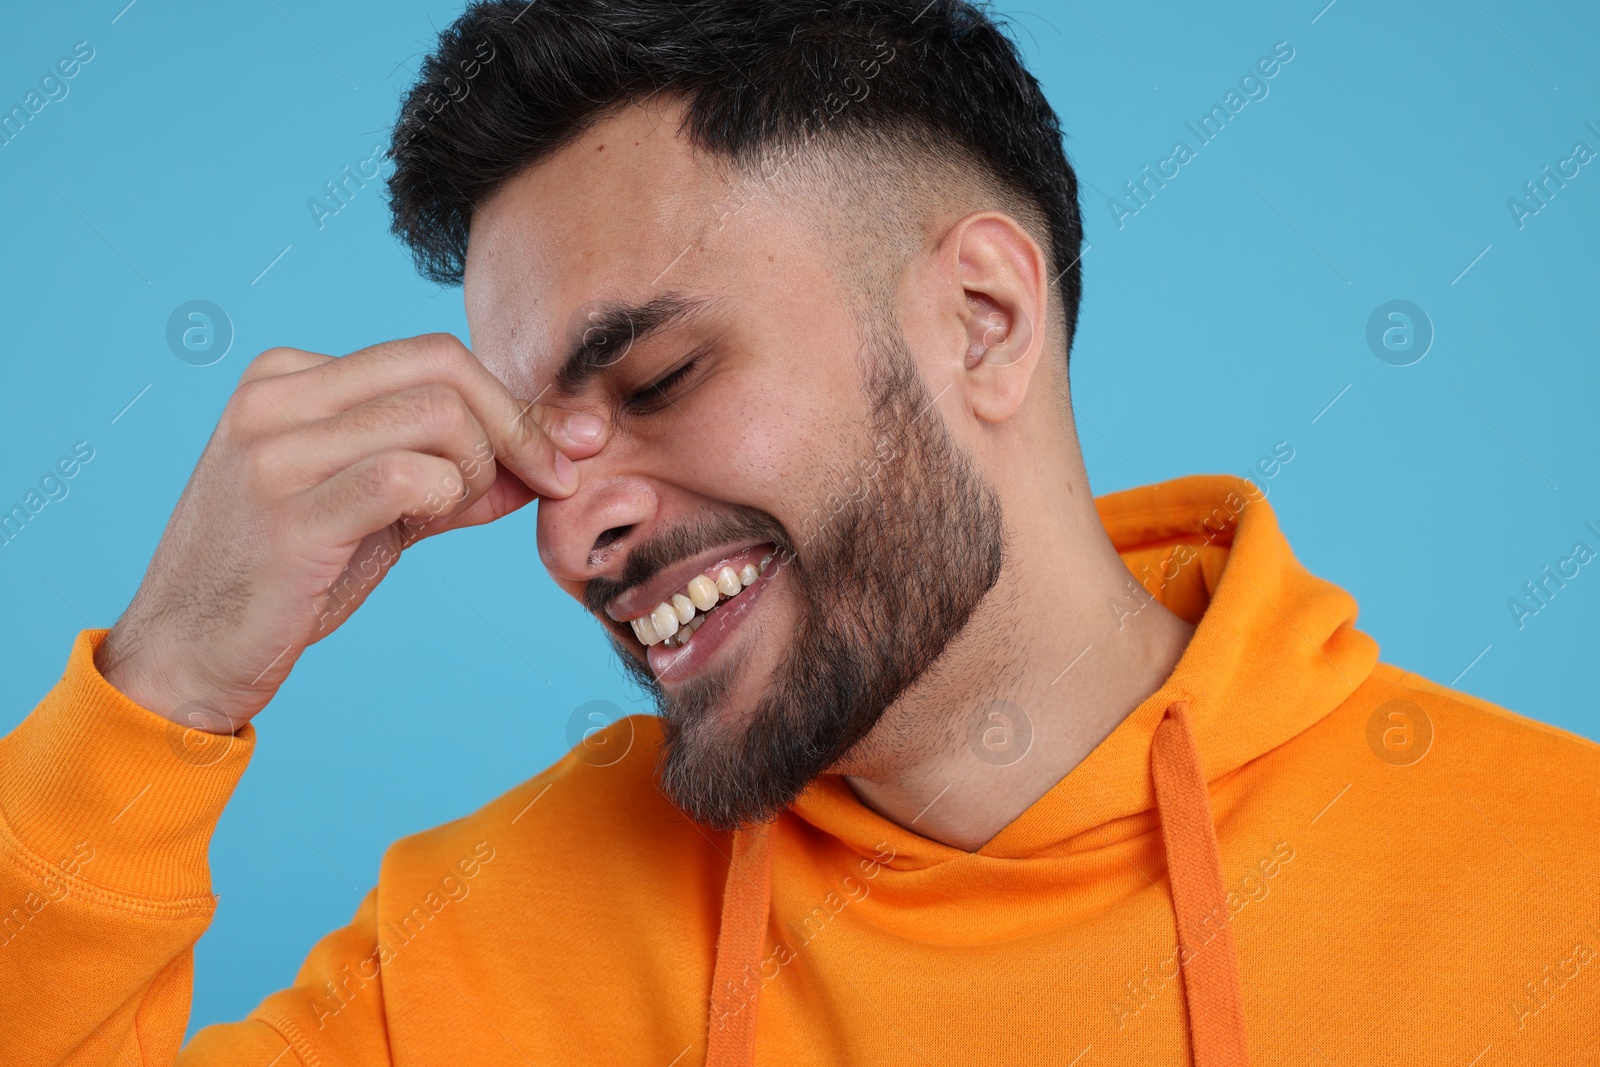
[[658, 393]]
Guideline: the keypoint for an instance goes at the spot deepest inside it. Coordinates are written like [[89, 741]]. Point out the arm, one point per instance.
[[320, 473]]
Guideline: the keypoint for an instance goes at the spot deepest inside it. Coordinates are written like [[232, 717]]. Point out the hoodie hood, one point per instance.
[[1274, 651]]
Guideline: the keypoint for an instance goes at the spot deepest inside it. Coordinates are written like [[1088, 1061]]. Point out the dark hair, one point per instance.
[[513, 81]]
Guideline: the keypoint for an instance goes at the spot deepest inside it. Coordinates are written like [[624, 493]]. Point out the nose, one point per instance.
[[586, 534]]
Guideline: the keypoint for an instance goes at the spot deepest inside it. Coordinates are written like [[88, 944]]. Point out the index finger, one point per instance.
[[535, 442]]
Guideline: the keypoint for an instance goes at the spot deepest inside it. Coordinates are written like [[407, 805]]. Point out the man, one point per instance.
[[770, 307]]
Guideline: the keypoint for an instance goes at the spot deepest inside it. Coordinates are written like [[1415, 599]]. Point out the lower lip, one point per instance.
[[677, 664]]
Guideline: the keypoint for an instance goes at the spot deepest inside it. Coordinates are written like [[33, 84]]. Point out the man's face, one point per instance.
[[754, 422]]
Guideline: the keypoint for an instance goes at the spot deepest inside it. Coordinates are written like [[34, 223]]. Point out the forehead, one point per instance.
[[624, 213]]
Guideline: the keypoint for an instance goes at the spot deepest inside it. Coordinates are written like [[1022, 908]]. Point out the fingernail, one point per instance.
[[583, 429], [566, 472]]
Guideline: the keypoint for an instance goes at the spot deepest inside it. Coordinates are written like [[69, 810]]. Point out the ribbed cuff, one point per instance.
[[91, 773]]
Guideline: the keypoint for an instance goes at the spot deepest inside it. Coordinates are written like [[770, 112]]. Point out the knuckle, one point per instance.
[[391, 474], [532, 430], [272, 362], [452, 486], [443, 411], [245, 412], [544, 420], [267, 462]]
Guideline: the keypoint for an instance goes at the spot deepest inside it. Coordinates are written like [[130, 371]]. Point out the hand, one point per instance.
[[320, 473]]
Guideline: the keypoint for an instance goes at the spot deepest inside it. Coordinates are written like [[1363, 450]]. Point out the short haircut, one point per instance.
[[924, 81]]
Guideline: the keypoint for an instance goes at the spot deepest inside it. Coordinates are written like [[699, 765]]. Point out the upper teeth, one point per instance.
[[676, 619]]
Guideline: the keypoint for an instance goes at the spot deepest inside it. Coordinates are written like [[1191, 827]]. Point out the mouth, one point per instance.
[[681, 633]]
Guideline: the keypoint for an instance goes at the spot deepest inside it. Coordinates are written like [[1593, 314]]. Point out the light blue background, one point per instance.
[[1222, 318]]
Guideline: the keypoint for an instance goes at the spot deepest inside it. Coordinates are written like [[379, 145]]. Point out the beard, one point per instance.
[[908, 549]]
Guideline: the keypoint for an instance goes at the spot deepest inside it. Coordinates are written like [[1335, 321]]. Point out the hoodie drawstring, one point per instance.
[[1210, 962], [1208, 958], [735, 981]]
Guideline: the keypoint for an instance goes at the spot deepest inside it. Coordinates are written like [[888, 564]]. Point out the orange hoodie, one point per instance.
[[1288, 853]]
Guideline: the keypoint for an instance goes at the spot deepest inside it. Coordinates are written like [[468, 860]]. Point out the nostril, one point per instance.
[[610, 537]]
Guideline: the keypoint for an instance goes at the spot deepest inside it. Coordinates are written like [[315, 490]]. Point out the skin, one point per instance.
[[321, 471], [762, 425], [625, 213]]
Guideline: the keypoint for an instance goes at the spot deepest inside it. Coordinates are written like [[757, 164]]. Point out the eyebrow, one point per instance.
[[613, 329]]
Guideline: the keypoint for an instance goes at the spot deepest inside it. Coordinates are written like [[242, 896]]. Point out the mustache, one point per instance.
[[680, 542]]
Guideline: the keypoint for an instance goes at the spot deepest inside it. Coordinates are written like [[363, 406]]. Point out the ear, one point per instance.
[[1003, 275]]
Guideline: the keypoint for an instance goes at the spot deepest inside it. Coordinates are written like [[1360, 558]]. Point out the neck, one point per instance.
[[1063, 649]]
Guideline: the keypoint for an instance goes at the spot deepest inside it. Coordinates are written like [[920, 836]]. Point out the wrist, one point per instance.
[[140, 670]]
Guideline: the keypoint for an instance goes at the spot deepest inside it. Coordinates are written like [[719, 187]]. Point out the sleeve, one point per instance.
[[106, 815]]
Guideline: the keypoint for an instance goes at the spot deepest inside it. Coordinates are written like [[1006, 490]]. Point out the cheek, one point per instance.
[[785, 437]]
